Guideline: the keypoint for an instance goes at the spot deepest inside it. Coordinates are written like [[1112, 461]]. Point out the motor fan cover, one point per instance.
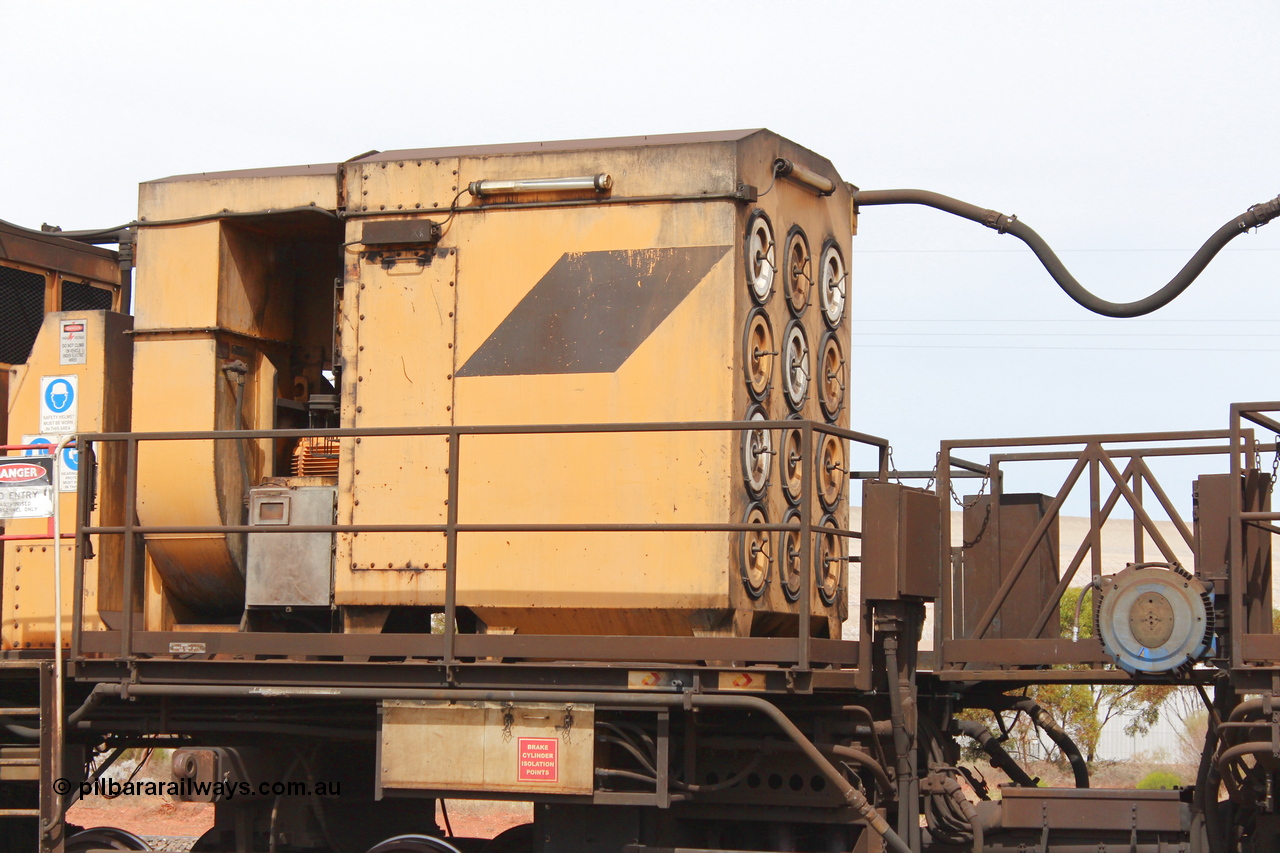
[[1155, 619]]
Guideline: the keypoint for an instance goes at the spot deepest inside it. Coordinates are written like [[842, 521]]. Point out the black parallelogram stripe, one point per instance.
[[591, 311]]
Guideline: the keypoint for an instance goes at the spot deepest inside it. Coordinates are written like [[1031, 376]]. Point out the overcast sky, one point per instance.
[[1124, 133]]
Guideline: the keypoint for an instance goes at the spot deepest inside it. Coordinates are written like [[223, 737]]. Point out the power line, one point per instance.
[[1023, 251], [1067, 335], [1187, 350]]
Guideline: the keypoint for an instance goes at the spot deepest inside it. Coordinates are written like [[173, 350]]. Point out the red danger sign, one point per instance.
[[21, 472], [537, 759]]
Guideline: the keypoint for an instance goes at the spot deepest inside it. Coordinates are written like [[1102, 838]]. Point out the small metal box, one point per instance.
[[995, 532], [290, 569], [900, 536]]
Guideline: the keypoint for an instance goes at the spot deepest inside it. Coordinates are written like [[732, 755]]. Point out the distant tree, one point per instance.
[[1085, 710]]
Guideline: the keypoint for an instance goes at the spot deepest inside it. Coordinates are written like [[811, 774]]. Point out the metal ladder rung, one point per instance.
[[19, 813], [19, 712], [19, 762]]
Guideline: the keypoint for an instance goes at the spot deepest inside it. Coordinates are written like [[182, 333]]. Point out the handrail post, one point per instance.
[[806, 543], [85, 475], [130, 546], [1235, 545], [451, 550], [947, 617]]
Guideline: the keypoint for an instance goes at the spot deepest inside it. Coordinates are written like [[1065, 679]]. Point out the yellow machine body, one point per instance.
[[612, 304], [101, 403]]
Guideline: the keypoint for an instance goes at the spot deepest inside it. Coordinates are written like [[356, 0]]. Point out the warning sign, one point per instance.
[[71, 341], [69, 470], [26, 487], [537, 760], [58, 404]]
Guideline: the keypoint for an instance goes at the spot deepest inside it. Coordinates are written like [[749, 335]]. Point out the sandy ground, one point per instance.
[[155, 816], [144, 815]]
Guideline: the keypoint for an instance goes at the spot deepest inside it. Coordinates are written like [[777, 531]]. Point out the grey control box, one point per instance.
[[290, 569]]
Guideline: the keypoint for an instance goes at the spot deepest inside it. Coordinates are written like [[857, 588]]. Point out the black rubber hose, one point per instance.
[[873, 766], [999, 757], [1041, 718], [1205, 797], [1256, 216]]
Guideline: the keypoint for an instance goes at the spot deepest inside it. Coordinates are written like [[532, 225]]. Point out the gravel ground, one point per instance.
[[175, 827]]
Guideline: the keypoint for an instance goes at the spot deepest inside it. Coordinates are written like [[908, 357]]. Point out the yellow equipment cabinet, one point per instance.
[[59, 339], [682, 279], [76, 379]]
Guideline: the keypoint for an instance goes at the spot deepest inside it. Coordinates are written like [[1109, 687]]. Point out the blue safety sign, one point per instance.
[[59, 396], [34, 451], [58, 405]]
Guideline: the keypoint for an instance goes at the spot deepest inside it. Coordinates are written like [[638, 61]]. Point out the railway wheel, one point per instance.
[[104, 838], [517, 839], [413, 844]]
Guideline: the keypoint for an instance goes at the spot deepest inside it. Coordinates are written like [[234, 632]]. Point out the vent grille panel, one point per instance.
[[22, 294]]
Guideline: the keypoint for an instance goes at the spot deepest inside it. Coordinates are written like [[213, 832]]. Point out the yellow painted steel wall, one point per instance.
[[102, 403], [441, 342], [689, 369]]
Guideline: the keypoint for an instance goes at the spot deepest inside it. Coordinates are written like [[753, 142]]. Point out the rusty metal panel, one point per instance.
[[1097, 809], [1257, 554], [1211, 507], [1211, 504], [101, 401], [900, 530], [995, 535], [525, 747], [59, 254]]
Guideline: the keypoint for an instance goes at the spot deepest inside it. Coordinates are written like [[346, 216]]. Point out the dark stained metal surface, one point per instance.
[[1095, 809], [591, 311]]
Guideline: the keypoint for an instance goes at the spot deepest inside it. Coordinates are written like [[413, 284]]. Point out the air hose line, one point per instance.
[[1256, 216]]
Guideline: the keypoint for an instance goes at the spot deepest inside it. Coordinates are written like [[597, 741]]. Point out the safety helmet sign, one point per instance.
[[58, 404]]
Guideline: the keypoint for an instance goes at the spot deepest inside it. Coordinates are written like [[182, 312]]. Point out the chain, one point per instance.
[[1275, 462], [893, 469], [971, 504]]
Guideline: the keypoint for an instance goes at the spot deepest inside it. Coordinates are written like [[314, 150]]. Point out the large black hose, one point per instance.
[[1041, 718], [1255, 216], [999, 757]]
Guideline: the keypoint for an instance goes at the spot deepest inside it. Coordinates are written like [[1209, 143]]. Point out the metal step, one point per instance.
[[19, 712], [19, 813]]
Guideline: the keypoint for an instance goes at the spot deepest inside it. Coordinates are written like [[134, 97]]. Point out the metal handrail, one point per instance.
[[1093, 455], [452, 526]]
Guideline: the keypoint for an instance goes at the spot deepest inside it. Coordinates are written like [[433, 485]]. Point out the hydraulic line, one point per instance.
[[999, 757], [851, 795], [1041, 718], [1256, 216]]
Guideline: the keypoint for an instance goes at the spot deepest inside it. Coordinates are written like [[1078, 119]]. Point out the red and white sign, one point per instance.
[[26, 487], [21, 473], [537, 759], [72, 341]]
